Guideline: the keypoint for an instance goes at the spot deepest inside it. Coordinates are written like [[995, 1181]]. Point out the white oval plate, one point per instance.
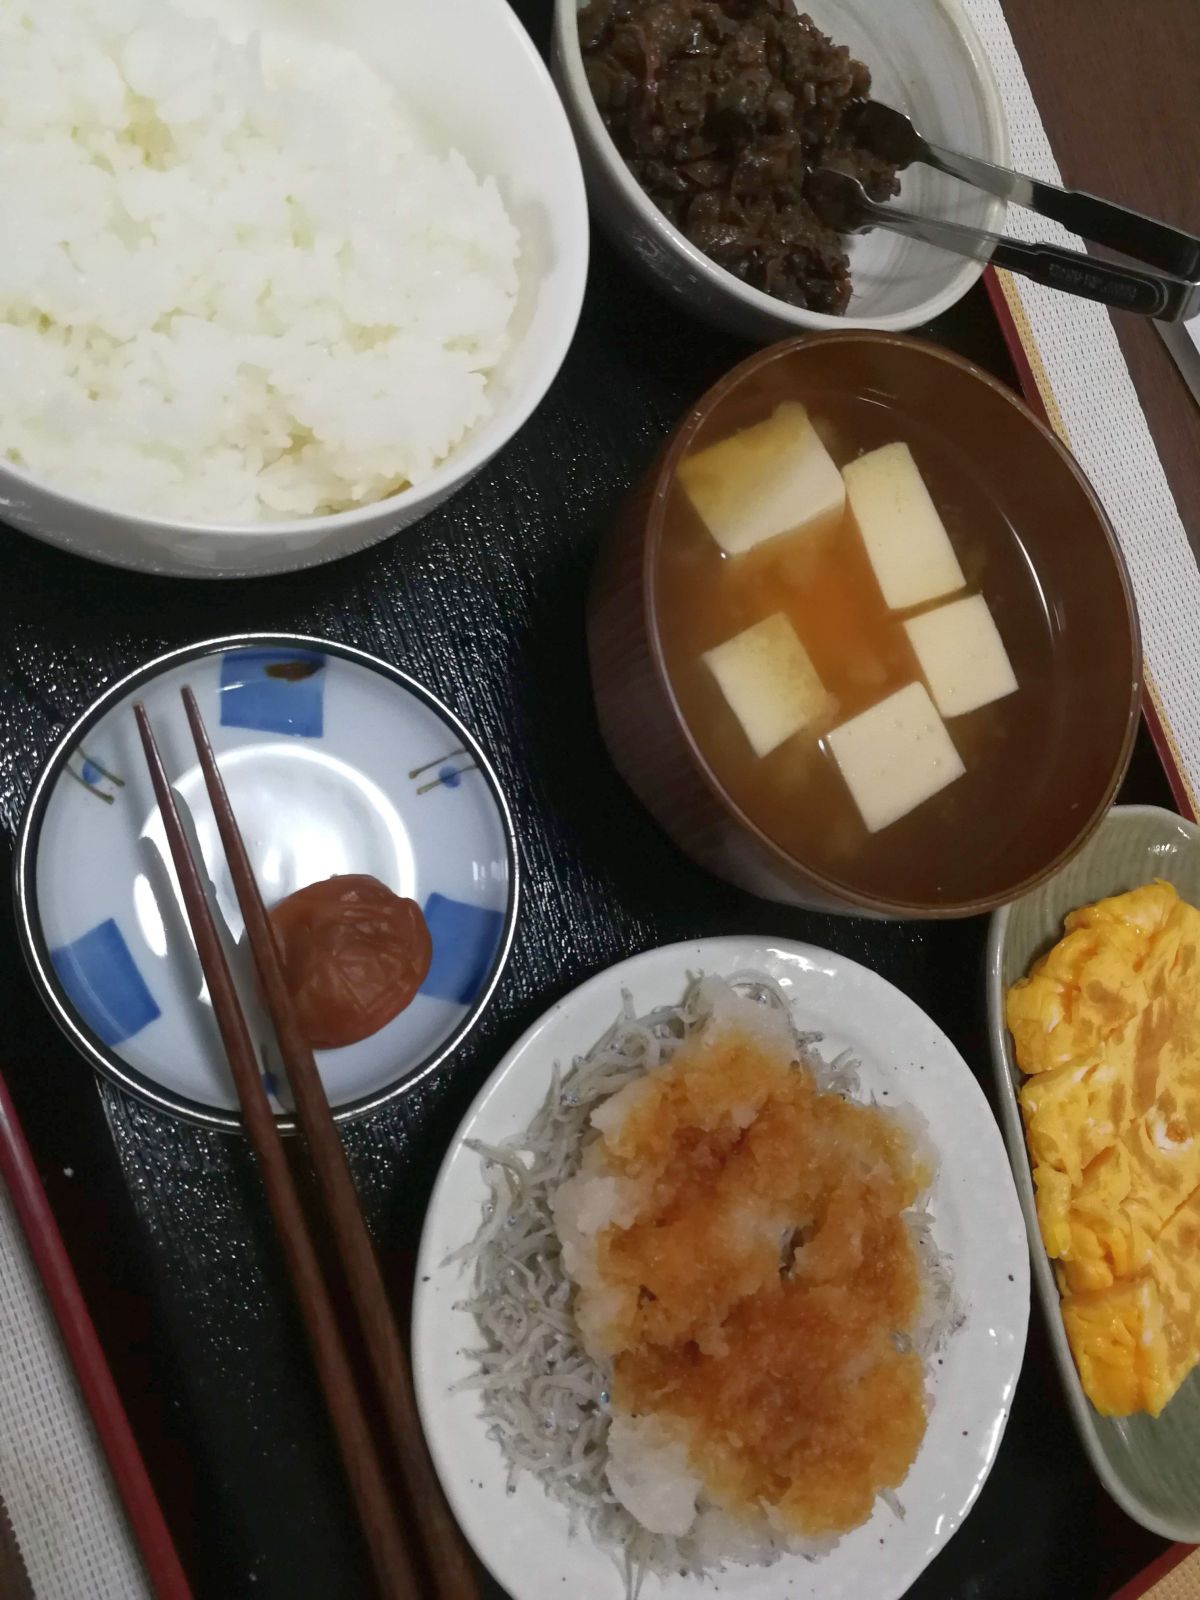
[[524, 1538], [335, 763]]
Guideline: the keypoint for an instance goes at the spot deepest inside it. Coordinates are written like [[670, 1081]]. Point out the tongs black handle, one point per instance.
[[1132, 233], [844, 201], [894, 136], [1147, 294]]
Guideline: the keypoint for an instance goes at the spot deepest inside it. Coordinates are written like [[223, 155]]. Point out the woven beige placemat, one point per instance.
[[1181, 1583], [53, 1477], [1089, 395]]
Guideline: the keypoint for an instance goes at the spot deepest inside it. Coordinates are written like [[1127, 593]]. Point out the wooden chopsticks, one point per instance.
[[436, 1533]]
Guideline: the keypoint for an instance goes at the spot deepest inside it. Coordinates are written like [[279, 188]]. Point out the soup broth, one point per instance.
[[825, 585]]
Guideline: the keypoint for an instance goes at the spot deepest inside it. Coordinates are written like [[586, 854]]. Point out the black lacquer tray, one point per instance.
[[483, 602]]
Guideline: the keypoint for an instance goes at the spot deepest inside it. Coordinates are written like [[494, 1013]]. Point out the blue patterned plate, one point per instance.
[[335, 762]]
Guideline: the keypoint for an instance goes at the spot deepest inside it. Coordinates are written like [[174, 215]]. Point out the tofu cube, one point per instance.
[[962, 655], [908, 547], [774, 478], [895, 756], [769, 682]]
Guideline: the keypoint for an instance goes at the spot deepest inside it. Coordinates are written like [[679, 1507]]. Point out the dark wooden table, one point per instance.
[[483, 602], [1118, 86]]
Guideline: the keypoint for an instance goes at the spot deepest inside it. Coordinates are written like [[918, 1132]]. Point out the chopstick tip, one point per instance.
[[191, 707]]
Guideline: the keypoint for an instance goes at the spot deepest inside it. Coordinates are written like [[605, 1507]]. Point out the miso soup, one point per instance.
[[830, 588]]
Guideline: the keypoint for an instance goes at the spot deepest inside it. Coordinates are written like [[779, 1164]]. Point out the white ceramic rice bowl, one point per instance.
[[471, 74]]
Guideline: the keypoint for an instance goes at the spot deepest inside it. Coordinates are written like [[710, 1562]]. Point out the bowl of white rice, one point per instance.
[[278, 277]]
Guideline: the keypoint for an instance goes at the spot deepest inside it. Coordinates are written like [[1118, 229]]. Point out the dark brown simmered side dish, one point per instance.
[[722, 108]]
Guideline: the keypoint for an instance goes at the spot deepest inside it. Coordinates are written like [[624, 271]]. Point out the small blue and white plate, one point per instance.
[[335, 762]]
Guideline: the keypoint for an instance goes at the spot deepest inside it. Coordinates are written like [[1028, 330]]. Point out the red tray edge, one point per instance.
[[1154, 1573], [99, 1392]]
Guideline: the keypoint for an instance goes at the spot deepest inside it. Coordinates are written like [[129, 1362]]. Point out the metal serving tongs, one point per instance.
[[1169, 295]]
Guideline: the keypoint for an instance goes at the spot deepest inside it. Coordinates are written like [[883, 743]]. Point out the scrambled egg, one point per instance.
[[1107, 1025]]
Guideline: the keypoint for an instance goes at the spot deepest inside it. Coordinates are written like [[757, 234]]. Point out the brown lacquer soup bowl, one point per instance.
[[1034, 770]]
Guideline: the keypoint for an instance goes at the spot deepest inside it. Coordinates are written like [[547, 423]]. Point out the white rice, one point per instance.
[[544, 1399], [237, 282]]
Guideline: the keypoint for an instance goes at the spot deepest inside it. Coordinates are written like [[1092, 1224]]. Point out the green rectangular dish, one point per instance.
[[1150, 1465]]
